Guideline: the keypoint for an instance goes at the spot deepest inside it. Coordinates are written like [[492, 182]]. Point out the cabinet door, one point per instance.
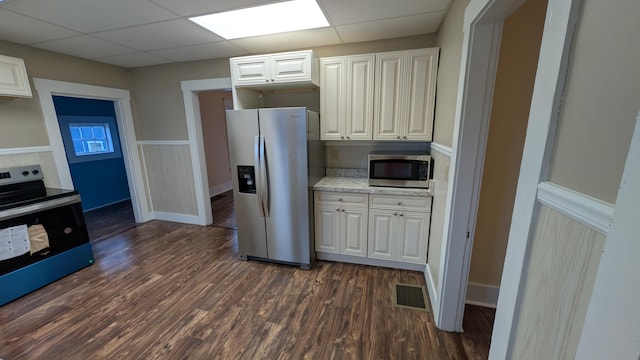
[[290, 67], [387, 112], [13, 77], [328, 228], [382, 225], [359, 105], [250, 70], [355, 232], [420, 93], [332, 98], [413, 236]]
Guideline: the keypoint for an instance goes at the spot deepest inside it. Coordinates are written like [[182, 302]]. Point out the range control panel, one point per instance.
[[20, 174]]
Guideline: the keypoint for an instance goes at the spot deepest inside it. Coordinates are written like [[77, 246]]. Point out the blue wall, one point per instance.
[[99, 182]]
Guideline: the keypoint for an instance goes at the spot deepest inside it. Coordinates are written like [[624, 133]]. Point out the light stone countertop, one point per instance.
[[361, 185]]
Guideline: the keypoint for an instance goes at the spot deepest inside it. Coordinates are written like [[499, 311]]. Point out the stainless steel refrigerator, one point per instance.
[[276, 156]]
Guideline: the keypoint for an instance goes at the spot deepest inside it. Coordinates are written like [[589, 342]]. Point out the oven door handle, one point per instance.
[[41, 206]]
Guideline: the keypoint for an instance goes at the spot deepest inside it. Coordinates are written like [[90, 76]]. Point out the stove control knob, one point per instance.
[[25, 173], [35, 172]]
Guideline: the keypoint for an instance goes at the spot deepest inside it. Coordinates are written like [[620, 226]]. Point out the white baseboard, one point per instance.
[[181, 218], [219, 189], [107, 204], [431, 288], [482, 295]]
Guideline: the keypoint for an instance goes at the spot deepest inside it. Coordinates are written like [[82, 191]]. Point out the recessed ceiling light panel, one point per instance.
[[263, 20]]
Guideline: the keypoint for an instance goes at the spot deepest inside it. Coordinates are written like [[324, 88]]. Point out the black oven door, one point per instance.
[[62, 220]]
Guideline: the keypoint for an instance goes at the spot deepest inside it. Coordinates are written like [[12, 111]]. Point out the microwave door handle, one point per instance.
[[264, 177], [258, 179]]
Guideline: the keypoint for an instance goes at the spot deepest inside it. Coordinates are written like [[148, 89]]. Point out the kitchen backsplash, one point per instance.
[[353, 155]]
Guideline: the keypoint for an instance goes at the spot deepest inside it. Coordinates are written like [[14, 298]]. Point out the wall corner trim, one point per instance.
[[591, 212], [442, 149], [431, 289]]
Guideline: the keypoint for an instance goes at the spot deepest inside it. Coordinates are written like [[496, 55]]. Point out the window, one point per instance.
[[90, 139]]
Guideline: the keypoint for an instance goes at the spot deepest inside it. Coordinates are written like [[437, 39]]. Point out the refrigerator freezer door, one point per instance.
[[242, 129], [287, 225]]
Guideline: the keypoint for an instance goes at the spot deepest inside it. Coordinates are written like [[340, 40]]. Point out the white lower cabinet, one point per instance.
[[341, 223], [385, 227], [398, 235]]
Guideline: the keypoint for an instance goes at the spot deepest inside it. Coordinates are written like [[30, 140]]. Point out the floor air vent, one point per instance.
[[410, 296]]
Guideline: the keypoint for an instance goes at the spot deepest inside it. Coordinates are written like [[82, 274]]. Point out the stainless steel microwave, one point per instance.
[[400, 170]]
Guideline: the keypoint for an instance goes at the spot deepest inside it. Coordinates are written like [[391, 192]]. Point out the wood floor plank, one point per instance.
[[164, 290]]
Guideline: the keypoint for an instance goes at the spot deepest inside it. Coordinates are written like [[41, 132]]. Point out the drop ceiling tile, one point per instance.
[[84, 46], [289, 41], [201, 7], [344, 12], [91, 16], [25, 30], [391, 28], [162, 35], [134, 60], [223, 49]]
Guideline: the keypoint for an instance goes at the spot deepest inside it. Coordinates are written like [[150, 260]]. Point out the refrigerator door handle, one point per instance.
[[265, 178], [257, 163]]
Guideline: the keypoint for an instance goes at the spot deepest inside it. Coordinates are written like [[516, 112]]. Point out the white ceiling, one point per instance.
[[133, 33]]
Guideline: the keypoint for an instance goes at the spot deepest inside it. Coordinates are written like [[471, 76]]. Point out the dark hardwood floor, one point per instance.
[[164, 290], [223, 210]]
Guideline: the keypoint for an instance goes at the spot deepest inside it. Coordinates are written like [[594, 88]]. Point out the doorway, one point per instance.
[[120, 99], [90, 136], [213, 104], [515, 75]]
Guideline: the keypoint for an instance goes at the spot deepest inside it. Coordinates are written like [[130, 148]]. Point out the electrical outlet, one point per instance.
[[334, 155]]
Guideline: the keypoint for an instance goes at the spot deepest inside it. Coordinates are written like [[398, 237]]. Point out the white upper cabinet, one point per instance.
[[291, 68], [405, 95], [346, 97], [13, 77]]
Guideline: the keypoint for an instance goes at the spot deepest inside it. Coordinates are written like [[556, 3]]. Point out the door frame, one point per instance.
[[190, 89], [122, 105], [482, 32]]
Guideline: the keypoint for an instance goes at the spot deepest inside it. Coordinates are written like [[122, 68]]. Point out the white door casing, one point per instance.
[[121, 99], [482, 33], [190, 89]]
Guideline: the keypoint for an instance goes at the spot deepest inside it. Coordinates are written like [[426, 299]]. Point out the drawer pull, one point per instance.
[[337, 209], [395, 214], [340, 199], [399, 202], [401, 214]]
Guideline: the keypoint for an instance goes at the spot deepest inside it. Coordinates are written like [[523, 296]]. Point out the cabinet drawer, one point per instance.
[[341, 198], [415, 203]]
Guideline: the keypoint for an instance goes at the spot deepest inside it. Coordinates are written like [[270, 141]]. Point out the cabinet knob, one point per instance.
[[337, 209], [399, 203], [404, 137], [342, 210], [398, 137], [348, 138], [266, 80], [401, 214], [273, 79], [395, 214], [342, 137], [340, 199]]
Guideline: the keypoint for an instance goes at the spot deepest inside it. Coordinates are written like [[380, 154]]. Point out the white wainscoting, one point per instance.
[[36, 155], [169, 181], [584, 209]]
